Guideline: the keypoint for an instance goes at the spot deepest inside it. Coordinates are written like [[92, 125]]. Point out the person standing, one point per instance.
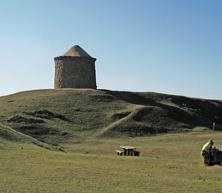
[[214, 125]]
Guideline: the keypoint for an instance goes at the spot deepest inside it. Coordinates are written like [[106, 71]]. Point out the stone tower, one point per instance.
[[75, 69]]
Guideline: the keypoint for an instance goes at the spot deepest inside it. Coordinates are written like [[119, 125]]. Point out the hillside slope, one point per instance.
[[69, 115]]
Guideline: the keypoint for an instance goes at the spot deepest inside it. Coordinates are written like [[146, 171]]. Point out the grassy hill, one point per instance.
[[70, 115], [89, 125]]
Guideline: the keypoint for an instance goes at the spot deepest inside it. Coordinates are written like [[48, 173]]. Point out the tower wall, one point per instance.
[[75, 72]]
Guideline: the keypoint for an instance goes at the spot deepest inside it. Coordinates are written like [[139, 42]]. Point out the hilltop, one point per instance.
[[53, 117]]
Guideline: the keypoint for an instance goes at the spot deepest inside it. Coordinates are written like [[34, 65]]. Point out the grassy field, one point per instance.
[[168, 163], [64, 141]]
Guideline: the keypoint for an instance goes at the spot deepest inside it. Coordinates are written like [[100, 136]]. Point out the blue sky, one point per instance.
[[168, 46]]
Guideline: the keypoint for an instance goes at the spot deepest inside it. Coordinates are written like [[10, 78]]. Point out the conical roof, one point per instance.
[[76, 51]]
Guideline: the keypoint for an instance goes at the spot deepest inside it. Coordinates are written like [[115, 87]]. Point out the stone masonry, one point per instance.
[[75, 69]]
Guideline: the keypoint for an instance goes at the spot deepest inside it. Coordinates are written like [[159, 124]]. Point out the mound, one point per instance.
[[60, 116]]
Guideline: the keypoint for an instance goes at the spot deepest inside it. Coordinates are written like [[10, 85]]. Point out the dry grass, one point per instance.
[[169, 163]]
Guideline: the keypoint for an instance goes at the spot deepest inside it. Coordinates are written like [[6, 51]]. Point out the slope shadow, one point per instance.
[[179, 114]]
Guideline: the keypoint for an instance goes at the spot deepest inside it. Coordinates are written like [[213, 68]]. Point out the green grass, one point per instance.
[[168, 163], [65, 140], [57, 116], [87, 112]]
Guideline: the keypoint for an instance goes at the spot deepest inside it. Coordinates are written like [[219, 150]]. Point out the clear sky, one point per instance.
[[168, 46]]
